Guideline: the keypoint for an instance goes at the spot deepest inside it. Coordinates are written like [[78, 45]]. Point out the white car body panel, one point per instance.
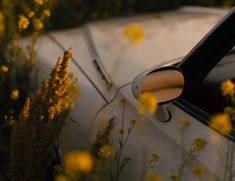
[[167, 38]]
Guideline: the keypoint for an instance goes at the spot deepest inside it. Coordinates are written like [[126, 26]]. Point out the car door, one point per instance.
[[205, 68], [209, 64]]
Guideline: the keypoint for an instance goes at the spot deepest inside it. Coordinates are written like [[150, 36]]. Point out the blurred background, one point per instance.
[[72, 13]]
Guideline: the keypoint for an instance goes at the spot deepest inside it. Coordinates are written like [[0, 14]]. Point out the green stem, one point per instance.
[[121, 147], [184, 164]]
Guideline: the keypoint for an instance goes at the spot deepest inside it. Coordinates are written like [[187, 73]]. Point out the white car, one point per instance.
[[169, 37]]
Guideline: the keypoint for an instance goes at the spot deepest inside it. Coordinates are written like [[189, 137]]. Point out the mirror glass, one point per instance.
[[165, 84]]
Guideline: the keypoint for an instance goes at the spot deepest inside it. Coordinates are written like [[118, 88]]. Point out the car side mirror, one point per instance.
[[166, 83]]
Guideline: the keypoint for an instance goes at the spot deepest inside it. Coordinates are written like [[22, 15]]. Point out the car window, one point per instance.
[[207, 95]]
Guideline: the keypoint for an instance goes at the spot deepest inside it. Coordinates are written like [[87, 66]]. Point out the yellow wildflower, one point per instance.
[[134, 33], [152, 177], [4, 69], [184, 124], [227, 88], [199, 171], [198, 144], [47, 13], [31, 14], [39, 2], [38, 24], [105, 151], [78, 161], [61, 178], [25, 111], [15, 94], [23, 22], [173, 176], [221, 123], [73, 90], [148, 102]]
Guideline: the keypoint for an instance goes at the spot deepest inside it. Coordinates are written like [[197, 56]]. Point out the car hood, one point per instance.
[[168, 37]]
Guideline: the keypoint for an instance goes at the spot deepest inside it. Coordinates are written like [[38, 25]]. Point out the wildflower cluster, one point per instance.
[[197, 145], [122, 161], [224, 121], [36, 132], [221, 123], [224, 124], [148, 103], [151, 163], [18, 56], [101, 146], [19, 19]]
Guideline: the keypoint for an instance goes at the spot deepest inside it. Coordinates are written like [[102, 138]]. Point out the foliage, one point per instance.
[[35, 134], [224, 124], [21, 24], [20, 19], [188, 156], [81, 11]]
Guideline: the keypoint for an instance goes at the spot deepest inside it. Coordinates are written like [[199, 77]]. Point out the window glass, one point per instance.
[[207, 95]]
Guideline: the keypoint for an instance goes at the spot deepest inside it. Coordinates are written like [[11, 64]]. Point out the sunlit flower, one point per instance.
[[173, 176], [61, 178], [25, 111], [4, 69], [148, 102], [227, 88], [31, 14], [39, 2], [198, 144], [38, 24], [221, 123], [199, 171], [78, 161], [105, 151], [75, 91], [134, 33], [15, 94], [34, 124], [47, 13], [23, 22], [152, 177]]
